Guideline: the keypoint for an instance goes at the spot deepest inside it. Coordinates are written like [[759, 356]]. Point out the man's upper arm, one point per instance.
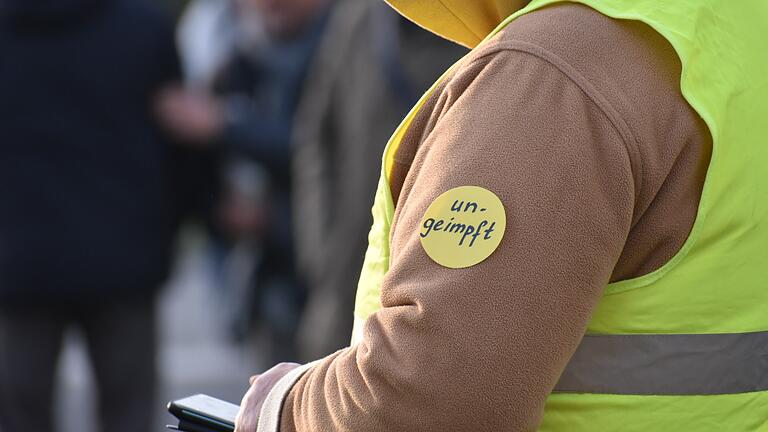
[[480, 348]]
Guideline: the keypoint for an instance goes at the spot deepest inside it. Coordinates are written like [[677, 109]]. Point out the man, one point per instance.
[[552, 185], [88, 215], [249, 120]]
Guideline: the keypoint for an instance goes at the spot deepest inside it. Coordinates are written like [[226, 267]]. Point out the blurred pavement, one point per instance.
[[195, 356]]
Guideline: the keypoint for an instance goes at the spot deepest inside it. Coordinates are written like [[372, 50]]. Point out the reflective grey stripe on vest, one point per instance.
[[702, 364]]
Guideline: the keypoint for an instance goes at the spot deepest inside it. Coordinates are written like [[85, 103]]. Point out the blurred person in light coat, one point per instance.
[[368, 53]]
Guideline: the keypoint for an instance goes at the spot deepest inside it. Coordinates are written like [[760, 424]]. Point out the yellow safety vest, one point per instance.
[[684, 348]]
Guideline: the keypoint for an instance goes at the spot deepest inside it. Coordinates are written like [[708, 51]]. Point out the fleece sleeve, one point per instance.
[[480, 348]]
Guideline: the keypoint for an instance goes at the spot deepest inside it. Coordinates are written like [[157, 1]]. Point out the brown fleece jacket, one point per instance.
[[577, 123]]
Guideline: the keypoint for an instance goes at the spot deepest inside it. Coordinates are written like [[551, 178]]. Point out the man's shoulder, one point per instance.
[[581, 39], [562, 28], [624, 66]]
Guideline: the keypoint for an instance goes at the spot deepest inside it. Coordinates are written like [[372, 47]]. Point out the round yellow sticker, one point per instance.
[[463, 226]]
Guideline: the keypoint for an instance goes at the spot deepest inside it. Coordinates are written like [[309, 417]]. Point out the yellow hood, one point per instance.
[[467, 22]]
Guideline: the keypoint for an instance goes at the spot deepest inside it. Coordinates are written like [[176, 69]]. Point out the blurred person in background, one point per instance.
[[368, 53], [247, 115], [89, 201]]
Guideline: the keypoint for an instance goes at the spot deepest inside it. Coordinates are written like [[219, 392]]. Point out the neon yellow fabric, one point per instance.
[[715, 284]]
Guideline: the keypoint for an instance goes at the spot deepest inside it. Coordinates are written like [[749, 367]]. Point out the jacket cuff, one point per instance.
[[269, 417]]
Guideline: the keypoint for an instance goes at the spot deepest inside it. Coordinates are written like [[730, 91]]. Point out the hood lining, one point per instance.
[[468, 28]]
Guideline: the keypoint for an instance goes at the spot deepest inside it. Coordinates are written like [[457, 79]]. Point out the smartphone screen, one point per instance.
[[206, 410]]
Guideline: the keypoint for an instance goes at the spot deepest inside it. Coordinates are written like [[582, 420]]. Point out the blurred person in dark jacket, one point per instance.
[[369, 53], [248, 115], [88, 214]]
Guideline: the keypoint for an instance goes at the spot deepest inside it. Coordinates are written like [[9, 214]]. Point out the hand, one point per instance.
[[193, 116], [248, 417]]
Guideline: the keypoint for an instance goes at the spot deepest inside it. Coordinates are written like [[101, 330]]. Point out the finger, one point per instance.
[[252, 379], [238, 422], [243, 420]]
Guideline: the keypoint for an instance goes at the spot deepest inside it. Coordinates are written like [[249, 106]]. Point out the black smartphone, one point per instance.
[[204, 413]]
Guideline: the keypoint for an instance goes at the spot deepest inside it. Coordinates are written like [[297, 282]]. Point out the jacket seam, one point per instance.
[[630, 142]]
